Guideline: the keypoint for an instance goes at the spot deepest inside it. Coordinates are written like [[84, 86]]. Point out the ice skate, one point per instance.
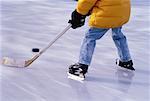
[[77, 71], [125, 65]]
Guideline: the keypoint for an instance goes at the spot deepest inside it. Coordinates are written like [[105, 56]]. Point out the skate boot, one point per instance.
[[126, 65], [77, 71]]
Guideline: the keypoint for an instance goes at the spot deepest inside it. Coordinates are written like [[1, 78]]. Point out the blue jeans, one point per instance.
[[89, 42]]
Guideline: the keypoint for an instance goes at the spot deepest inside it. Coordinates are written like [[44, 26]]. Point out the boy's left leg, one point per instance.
[[89, 43], [86, 51]]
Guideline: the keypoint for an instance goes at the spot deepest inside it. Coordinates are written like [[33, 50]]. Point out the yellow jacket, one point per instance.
[[105, 13]]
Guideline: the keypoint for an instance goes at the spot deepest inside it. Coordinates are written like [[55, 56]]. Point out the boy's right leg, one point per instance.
[[123, 50]]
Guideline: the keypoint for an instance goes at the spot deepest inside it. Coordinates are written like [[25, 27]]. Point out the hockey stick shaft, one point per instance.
[[55, 39], [28, 62]]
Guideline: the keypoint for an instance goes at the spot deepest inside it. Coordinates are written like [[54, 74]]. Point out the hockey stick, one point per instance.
[[16, 63]]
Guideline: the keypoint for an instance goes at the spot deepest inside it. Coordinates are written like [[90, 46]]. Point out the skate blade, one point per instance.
[[10, 62], [124, 69], [77, 78]]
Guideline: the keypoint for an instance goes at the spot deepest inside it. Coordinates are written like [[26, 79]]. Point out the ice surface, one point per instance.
[[26, 24]]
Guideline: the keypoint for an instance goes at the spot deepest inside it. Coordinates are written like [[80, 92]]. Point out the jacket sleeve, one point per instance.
[[84, 6]]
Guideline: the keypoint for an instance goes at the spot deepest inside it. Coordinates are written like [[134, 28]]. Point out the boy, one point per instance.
[[104, 15]]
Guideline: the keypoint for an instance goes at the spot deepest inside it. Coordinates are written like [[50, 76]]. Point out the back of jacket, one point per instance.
[[105, 13]]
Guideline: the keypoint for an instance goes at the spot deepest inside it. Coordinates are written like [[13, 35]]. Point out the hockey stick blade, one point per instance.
[[11, 62]]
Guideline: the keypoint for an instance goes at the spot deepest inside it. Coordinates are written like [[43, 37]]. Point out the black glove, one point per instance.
[[77, 20]]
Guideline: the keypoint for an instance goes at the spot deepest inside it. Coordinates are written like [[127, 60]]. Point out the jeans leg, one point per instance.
[[121, 44], [88, 45]]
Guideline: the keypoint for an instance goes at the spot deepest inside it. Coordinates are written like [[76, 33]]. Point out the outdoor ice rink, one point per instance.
[[34, 23]]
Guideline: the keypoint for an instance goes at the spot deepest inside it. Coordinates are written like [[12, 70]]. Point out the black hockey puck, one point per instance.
[[35, 50]]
